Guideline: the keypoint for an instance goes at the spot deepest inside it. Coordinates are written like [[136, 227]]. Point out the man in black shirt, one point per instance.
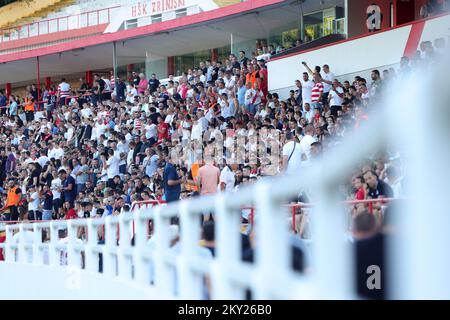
[[136, 78], [120, 90], [153, 83], [98, 89], [154, 115], [377, 187], [243, 59], [84, 86], [216, 67], [3, 159], [85, 132]]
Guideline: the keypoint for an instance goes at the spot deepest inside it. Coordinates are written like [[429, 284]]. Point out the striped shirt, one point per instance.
[[64, 89], [113, 82], [316, 91], [137, 124]]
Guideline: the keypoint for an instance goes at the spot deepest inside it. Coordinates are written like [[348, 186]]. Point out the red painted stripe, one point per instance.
[[183, 22], [413, 40]]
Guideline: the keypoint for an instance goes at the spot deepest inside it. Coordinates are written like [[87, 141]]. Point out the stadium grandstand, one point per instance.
[[254, 149]]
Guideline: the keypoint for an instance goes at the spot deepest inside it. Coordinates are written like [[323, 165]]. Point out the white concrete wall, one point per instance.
[[350, 58], [21, 281]]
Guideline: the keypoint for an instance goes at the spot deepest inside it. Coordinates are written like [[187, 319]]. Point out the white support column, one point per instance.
[[141, 265], [124, 261], [272, 247], [191, 284], [21, 251], [419, 256], [54, 252], [73, 255], [332, 254], [38, 257], [231, 43], [228, 251], [109, 258], [90, 256], [9, 251], [346, 19], [164, 276]]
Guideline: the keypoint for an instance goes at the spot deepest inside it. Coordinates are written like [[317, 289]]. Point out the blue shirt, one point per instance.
[[13, 109], [152, 166], [109, 210], [172, 193], [241, 95], [2, 101], [70, 195]]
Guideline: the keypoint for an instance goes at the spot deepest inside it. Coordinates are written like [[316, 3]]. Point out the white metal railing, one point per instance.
[[59, 24], [417, 261]]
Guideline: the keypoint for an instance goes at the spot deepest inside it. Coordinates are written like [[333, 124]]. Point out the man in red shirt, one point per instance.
[[163, 130]]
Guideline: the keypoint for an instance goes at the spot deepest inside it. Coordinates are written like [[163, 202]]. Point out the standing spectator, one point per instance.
[[120, 89], [13, 107], [81, 175], [2, 103], [306, 143], [227, 178], [208, 177], [69, 186], [327, 81], [13, 198], [336, 97], [395, 181], [112, 166], [376, 84], [243, 60], [153, 83], [292, 155], [33, 198], [143, 84], [64, 91], [251, 98], [171, 181], [306, 86], [317, 92]]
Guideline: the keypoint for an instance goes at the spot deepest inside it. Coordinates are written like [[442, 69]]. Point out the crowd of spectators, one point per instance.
[[97, 153], [96, 150]]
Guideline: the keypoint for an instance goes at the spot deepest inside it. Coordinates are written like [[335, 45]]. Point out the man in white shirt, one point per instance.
[[306, 143], [197, 131], [112, 167], [307, 86], [327, 78], [131, 93], [151, 131], [43, 159], [64, 91], [394, 179], [308, 113], [202, 120], [227, 107], [292, 155], [227, 179], [335, 97], [33, 204], [86, 111], [251, 99], [56, 153], [229, 81], [55, 188]]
